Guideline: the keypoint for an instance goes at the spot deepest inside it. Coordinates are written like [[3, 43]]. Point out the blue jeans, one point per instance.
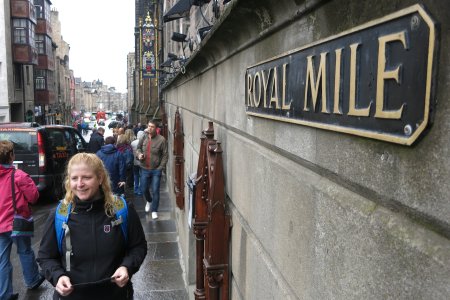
[[30, 269], [137, 175], [151, 179]]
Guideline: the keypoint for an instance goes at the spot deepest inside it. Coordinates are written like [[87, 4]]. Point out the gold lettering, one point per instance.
[[382, 75], [337, 82], [249, 90], [283, 94], [265, 83], [321, 77], [257, 100], [352, 110], [274, 90]]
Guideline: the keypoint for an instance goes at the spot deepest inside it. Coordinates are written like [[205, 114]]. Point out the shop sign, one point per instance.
[[375, 80]]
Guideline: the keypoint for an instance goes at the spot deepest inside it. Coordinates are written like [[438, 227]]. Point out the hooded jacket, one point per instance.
[[96, 142], [26, 193], [98, 248], [115, 164]]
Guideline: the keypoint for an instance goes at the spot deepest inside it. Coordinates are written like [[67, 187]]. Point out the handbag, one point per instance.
[[21, 226]]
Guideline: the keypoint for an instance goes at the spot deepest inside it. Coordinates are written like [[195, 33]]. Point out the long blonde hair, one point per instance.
[[96, 164], [129, 133]]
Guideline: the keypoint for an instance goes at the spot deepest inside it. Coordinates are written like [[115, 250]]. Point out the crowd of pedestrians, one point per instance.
[[135, 157], [93, 214]]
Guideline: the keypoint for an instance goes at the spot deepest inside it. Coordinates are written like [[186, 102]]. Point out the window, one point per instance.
[[79, 140], [40, 79], [42, 9], [57, 139], [40, 43], [31, 32], [44, 44], [40, 83], [48, 46], [50, 79], [24, 142], [23, 31], [39, 12], [47, 10], [20, 33]]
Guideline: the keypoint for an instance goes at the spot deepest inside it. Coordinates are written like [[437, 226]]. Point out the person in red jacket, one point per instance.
[[26, 192]]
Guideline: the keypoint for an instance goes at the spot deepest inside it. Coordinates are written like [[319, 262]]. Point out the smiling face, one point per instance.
[[84, 183]]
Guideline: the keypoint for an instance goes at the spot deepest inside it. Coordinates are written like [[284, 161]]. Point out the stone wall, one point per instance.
[[316, 214]]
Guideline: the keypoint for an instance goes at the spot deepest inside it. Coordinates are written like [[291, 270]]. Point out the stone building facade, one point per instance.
[[316, 213], [6, 78]]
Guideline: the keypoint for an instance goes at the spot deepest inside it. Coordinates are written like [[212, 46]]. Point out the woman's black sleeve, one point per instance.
[[49, 257]]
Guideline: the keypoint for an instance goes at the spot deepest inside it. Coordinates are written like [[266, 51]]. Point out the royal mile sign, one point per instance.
[[375, 80]]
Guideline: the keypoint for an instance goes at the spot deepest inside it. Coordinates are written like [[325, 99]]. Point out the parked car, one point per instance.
[[43, 152]]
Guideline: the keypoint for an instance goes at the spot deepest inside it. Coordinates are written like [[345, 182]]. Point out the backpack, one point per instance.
[[129, 158], [128, 154], [62, 215]]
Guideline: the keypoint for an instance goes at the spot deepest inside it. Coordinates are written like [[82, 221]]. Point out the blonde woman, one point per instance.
[[102, 259], [129, 136]]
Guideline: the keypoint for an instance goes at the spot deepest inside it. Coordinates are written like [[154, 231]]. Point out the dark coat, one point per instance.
[[98, 250], [115, 164], [95, 143], [127, 153]]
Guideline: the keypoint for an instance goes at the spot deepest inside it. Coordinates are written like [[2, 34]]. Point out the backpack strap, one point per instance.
[[62, 215], [121, 213]]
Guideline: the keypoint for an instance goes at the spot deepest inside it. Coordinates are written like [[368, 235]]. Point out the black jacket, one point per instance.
[[96, 142], [98, 250]]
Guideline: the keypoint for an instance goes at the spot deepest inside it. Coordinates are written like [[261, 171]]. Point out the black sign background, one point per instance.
[[413, 89]]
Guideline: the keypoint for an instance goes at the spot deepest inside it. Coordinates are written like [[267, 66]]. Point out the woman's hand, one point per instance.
[[64, 286], [120, 277]]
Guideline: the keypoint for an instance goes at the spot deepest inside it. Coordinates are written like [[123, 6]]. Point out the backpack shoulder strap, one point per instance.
[[62, 214], [121, 213]]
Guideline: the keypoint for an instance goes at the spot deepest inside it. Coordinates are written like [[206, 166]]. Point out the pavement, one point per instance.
[[160, 276]]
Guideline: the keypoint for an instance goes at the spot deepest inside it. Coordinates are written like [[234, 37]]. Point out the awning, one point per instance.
[[179, 10]]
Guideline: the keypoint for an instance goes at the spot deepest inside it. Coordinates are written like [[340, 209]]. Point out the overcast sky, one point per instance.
[[100, 34]]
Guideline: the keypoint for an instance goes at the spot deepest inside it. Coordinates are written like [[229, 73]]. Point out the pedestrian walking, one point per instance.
[[136, 165], [152, 154], [84, 126], [115, 164], [96, 141], [98, 253], [18, 191], [124, 147], [130, 136], [137, 128]]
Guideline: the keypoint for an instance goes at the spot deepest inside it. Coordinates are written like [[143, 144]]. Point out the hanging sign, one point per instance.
[[375, 80], [148, 47]]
